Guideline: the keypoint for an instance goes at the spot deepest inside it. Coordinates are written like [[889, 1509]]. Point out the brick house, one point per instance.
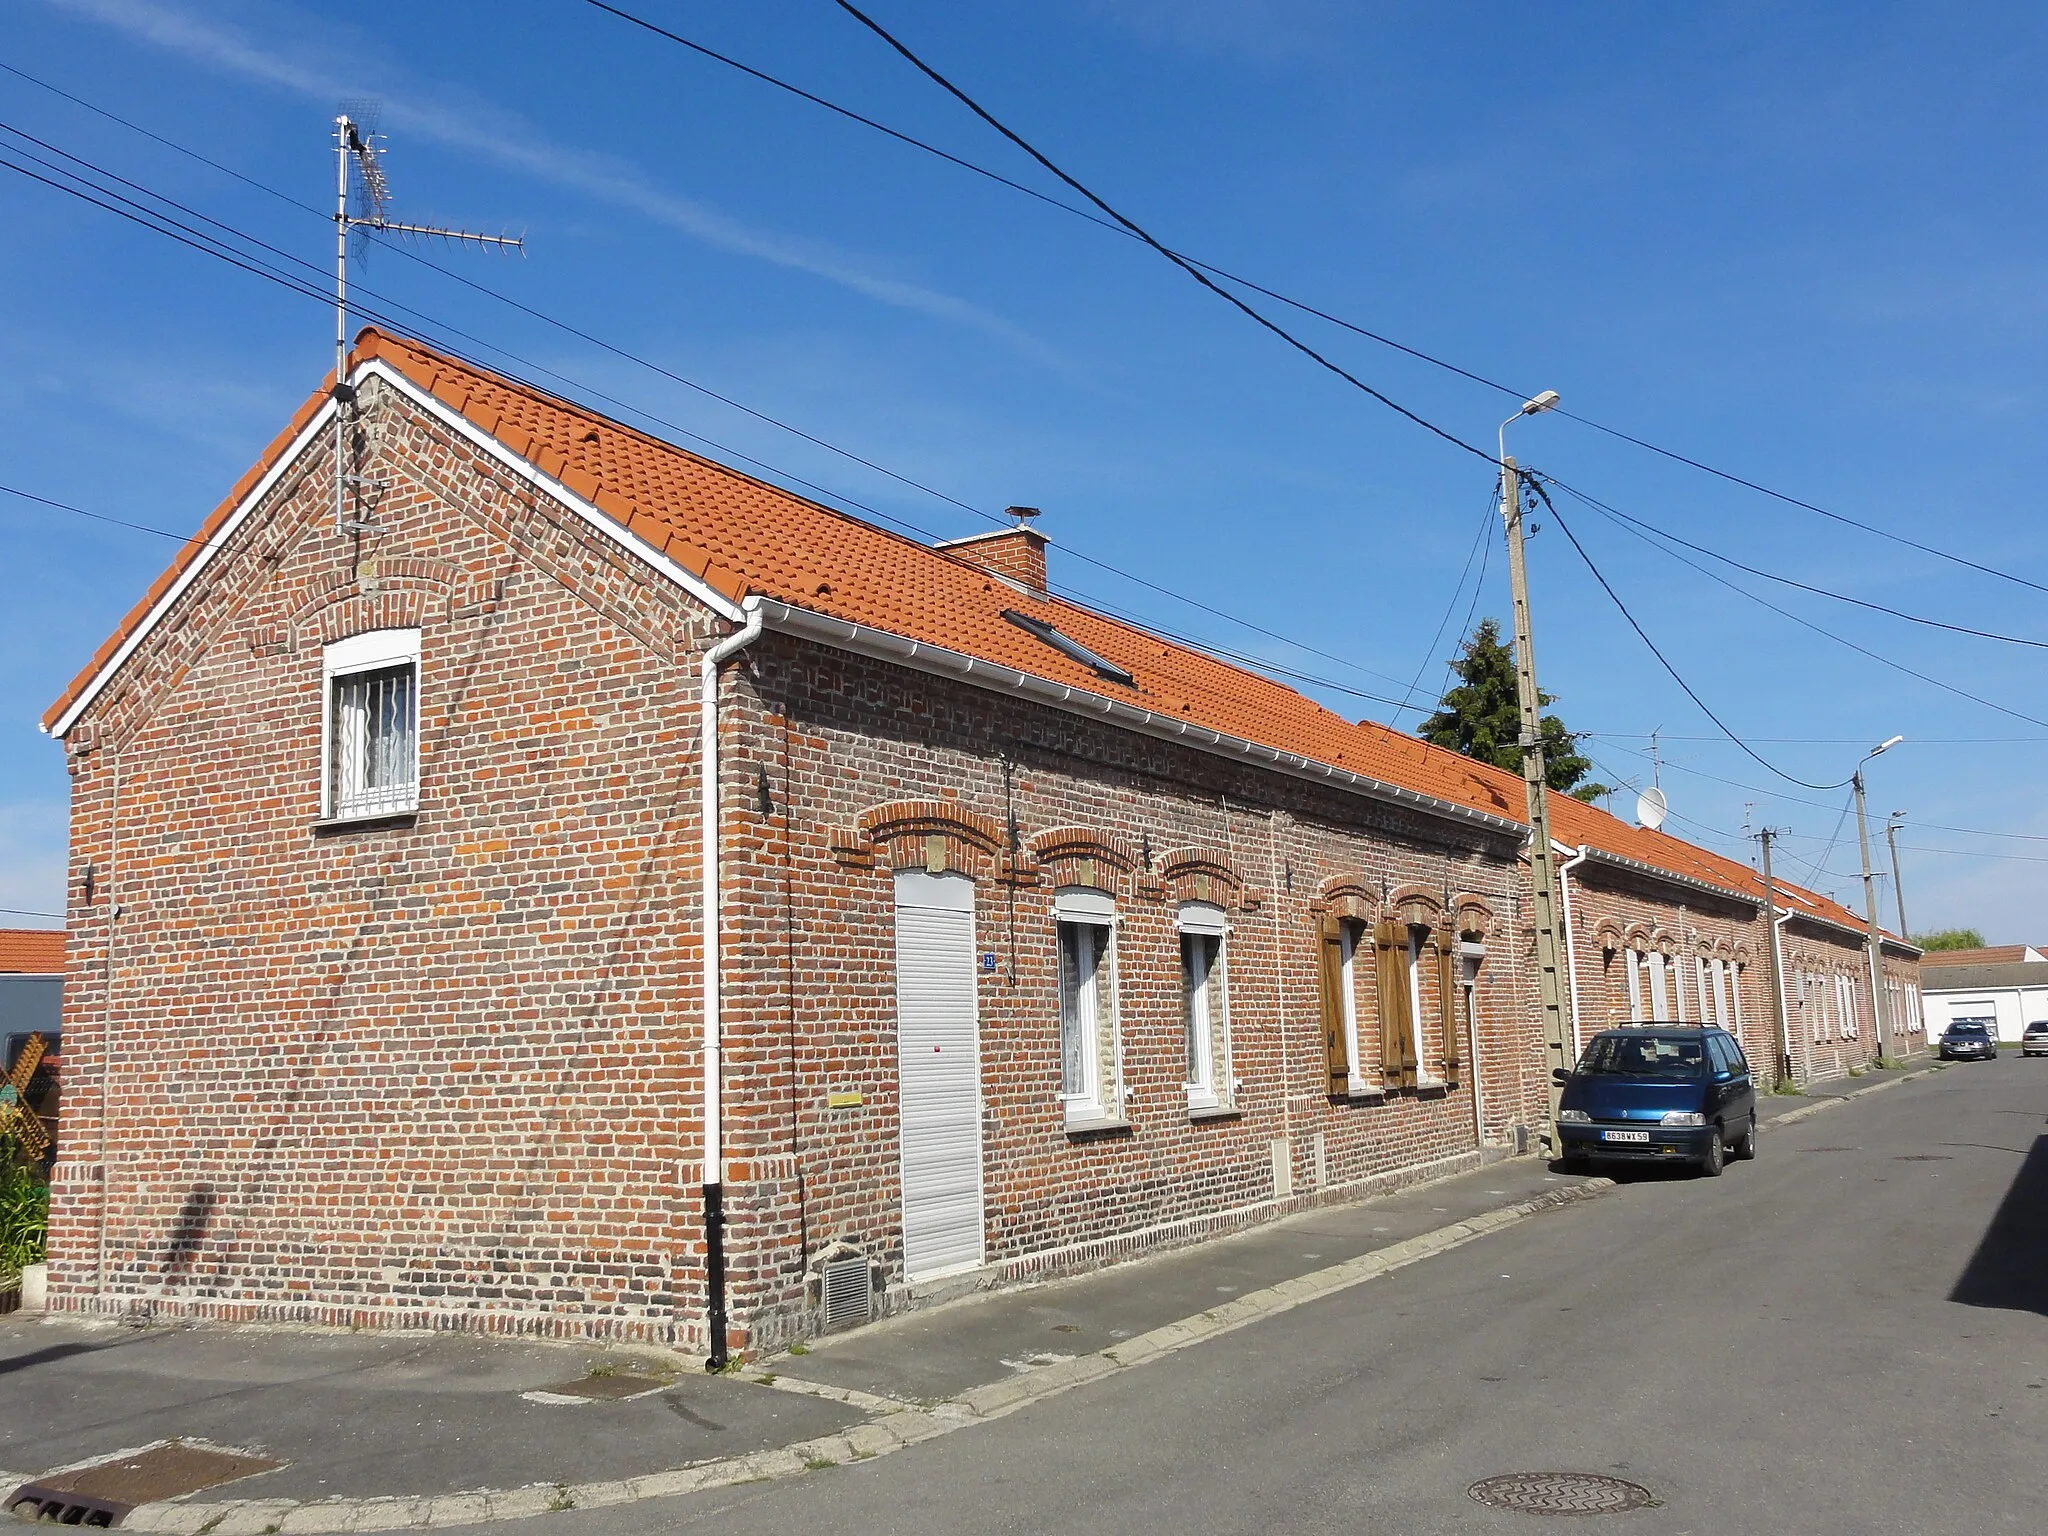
[[1042, 940]]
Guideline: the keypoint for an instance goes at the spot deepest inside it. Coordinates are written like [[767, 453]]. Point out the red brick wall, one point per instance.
[[437, 1074]]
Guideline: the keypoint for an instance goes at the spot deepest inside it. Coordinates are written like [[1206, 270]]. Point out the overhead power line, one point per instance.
[[1299, 305], [667, 373], [1786, 613], [1663, 661], [1192, 269], [198, 239]]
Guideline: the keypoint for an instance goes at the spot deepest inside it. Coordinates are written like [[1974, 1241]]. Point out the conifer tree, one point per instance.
[[1481, 718]]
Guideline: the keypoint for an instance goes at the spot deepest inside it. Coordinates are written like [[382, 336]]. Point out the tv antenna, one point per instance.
[[356, 168]]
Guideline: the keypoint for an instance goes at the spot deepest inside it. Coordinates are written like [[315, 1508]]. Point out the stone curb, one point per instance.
[[1805, 1111], [897, 1425]]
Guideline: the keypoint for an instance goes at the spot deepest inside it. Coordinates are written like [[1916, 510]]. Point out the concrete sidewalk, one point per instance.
[[388, 1431]]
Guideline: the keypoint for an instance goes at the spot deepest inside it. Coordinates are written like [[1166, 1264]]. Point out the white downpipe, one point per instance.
[[1571, 941], [707, 713], [1784, 988]]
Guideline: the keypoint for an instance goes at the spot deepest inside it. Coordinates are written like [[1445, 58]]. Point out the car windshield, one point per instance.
[[1643, 1056], [1971, 1028], [2038, 1027]]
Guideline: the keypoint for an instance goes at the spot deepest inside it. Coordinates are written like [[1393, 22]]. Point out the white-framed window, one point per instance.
[[1735, 969], [1702, 979], [1420, 944], [1852, 1016], [1351, 935], [1714, 976], [1205, 1003], [370, 743], [1085, 920], [1638, 984], [1660, 988]]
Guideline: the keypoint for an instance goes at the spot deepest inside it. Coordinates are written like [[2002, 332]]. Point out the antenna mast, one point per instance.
[[354, 146]]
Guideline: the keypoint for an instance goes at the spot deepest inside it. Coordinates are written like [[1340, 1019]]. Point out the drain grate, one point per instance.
[[1560, 1493], [103, 1494]]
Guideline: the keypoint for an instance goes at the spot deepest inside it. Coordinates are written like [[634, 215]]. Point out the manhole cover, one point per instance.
[[1560, 1493], [102, 1494]]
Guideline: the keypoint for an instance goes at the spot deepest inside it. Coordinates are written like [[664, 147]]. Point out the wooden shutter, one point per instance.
[[1448, 996], [1330, 959], [1397, 1023]]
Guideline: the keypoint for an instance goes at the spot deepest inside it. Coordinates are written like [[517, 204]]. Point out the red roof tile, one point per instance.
[[32, 951], [742, 536]]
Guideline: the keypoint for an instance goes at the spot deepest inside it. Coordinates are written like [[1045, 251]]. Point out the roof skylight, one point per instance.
[[1069, 647]]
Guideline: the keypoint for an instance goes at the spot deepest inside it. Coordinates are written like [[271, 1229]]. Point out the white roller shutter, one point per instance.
[[938, 1073]]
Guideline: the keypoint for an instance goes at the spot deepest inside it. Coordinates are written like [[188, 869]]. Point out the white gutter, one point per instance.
[[714, 1109], [922, 656], [1571, 942], [1670, 877]]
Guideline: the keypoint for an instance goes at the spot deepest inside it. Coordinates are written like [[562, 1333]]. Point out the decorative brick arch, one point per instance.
[[1348, 896], [934, 835], [1199, 874], [1607, 933], [1083, 856], [1471, 916], [1639, 938], [1416, 905], [404, 593]]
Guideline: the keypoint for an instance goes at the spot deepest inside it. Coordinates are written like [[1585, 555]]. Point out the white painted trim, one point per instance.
[[371, 649], [602, 522], [262, 488], [922, 656]]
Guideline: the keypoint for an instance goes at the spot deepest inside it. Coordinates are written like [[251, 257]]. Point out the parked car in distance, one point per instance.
[[1967, 1040], [1658, 1093], [2035, 1041]]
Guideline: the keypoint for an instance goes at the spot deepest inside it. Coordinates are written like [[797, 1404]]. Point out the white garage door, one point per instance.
[[938, 1073]]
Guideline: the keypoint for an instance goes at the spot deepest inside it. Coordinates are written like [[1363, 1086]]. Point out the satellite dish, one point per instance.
[[1652, 808]]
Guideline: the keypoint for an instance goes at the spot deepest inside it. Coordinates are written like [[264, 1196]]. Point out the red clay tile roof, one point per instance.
[[742, 536], [32, 951], [1996, 954]]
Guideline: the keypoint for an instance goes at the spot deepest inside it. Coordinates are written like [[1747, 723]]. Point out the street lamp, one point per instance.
[[1873, 955], [1542, 866]]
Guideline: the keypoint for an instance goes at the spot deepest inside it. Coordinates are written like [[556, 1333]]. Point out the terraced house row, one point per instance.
[[475, 880]]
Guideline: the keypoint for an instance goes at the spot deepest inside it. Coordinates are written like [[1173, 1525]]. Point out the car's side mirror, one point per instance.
[[1722, 1077], [1560, 1074]]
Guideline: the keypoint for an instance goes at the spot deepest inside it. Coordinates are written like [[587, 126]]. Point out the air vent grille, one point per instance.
[[849, 1298]]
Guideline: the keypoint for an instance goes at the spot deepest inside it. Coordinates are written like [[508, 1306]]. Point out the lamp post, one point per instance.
[[1542, 865], [1872, 943]]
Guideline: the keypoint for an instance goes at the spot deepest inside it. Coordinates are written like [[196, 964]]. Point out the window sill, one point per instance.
[[1201, 1113], [365, 821], [1362, 1094], [1101, 1127]]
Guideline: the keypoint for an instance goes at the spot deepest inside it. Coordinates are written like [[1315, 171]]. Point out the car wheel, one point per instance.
[[1745, 1147], [1716, 1158]]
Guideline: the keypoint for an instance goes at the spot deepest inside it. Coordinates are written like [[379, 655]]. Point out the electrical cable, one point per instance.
[[702, 389], [209, 245], [1189, 267], [1804, 623], [24, 912], [1840, 597], [1298, 305], [1643, 635], [1481, 541]]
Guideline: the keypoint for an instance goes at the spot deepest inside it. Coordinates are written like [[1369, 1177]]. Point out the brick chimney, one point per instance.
[[1015, 554]]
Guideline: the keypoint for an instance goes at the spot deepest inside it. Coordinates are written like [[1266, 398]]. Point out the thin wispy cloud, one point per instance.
[[515, 143]]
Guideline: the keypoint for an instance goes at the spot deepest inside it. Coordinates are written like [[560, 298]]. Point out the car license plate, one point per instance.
[[1624, 1135]]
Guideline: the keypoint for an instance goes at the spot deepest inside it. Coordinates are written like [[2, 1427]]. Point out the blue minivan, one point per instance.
[[1670, 1093]]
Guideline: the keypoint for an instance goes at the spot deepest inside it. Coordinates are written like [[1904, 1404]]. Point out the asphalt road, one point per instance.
[[1848, 1335]]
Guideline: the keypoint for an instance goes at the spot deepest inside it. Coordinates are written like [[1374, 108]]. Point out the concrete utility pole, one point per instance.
[[1542, 864], [1891, 837], [1777, 964], [1873, 943]]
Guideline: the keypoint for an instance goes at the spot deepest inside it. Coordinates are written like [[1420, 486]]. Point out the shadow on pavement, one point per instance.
[[2009, 1270]]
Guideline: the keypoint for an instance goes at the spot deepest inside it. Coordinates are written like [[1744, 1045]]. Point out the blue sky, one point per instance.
[[1798, 243]]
